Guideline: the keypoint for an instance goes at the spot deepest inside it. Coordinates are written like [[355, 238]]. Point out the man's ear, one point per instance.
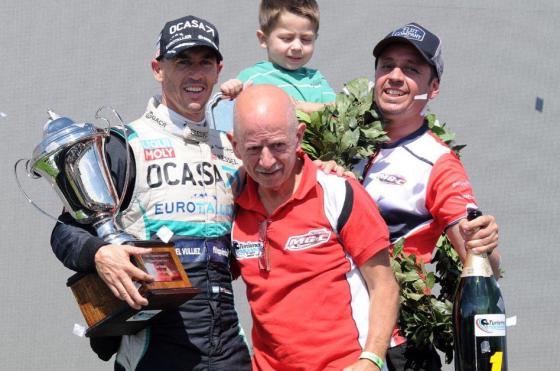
[[300, 132], [433, 92], [262, 39], [156, 70], [234, 145]]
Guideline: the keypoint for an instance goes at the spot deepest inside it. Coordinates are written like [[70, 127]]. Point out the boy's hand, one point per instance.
[[332, 167], [231, 88], [308, 107]]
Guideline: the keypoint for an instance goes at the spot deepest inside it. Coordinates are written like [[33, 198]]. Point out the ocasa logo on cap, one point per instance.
[[410, 32], [193, 23]]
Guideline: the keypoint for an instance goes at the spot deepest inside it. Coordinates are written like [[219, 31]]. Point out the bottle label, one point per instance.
[[476, 266], [487, 325]]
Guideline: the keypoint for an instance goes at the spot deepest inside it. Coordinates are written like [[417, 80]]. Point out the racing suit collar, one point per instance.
[[170, 121]]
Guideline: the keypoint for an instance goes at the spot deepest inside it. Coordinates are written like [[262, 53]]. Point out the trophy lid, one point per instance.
[[61, 132]]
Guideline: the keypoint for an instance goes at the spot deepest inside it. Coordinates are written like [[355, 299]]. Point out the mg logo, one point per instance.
[[311, 239]]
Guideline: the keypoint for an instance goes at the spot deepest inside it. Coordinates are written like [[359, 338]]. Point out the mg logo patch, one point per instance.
[[311, 239], [391, 179]]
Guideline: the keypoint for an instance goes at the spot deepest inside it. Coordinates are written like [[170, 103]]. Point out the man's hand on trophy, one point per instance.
[[117, 271]]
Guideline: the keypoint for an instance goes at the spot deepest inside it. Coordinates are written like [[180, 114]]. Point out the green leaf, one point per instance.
[[430, 280], [372, 132], [352, 123], [411, 276], [358, 87], [342, 103], [349, 139], [415, 297], [398, 247], [447, 137], [303, 116]]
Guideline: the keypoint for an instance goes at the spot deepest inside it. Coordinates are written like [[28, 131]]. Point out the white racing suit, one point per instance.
[[183, 179]]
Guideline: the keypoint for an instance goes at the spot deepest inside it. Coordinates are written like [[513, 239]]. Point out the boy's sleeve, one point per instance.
[[327, 93], [245, 74]]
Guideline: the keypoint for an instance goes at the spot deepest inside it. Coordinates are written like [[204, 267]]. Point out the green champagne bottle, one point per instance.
[[479, 319]]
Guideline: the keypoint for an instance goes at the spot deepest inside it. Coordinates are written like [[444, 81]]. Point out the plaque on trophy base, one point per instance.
[[106, 315]]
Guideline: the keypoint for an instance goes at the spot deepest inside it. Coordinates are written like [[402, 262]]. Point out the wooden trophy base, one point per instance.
[[106, 315]]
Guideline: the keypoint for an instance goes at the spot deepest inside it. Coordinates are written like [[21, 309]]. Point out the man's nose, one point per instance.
[[195, 71], [267, 159], [396, 74]]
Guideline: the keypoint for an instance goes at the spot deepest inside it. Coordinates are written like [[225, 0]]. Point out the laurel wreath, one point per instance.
[[351, 130]]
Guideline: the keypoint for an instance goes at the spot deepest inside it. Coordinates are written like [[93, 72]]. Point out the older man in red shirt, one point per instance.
[[311, 248]]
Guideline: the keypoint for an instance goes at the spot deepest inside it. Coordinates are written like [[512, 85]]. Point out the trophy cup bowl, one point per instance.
[[71, 158]]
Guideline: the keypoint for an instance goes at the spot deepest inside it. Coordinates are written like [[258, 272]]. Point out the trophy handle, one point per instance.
[[219, 113], [212, 103], [32, 175], [99, 116]]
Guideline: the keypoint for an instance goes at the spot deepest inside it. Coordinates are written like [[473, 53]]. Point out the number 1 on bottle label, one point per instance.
[[496, 361]]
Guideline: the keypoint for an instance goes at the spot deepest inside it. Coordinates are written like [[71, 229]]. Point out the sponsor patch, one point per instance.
[[151, 154], [220, 251], [462, 184], [391, 179], [410, 32], [155, 143], [194, 207], [468, 196], [489, 325], [247, 250], [194, 251], [311, 239], [151, 116]]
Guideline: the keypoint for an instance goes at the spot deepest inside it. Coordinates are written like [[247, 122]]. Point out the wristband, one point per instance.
[[370, 356]]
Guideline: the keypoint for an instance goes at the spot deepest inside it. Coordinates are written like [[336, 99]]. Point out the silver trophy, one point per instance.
[[71, 158]]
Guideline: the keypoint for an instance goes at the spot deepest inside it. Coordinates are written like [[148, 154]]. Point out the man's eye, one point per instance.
[[253, 150]]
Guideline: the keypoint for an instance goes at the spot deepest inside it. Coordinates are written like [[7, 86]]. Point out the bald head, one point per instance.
[[266, 136], [262, 105]]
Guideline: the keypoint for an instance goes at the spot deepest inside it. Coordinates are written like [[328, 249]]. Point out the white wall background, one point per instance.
[[76, 56]]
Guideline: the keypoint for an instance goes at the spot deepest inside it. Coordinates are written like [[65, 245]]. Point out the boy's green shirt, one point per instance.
[[303, 84]]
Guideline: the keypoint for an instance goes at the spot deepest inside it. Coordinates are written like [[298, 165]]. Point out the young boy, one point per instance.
[[288, 30]]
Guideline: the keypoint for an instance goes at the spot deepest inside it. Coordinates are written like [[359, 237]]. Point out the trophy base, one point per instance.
[[128, 321], [106, 315]]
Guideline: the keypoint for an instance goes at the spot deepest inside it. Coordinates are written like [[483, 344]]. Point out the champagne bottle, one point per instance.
[[479, 320]]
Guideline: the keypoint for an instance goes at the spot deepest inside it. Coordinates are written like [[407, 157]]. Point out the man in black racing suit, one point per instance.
[[180, 183]]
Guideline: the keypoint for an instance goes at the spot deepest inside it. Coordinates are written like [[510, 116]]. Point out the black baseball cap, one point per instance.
[[427, 44], [184, 33]]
